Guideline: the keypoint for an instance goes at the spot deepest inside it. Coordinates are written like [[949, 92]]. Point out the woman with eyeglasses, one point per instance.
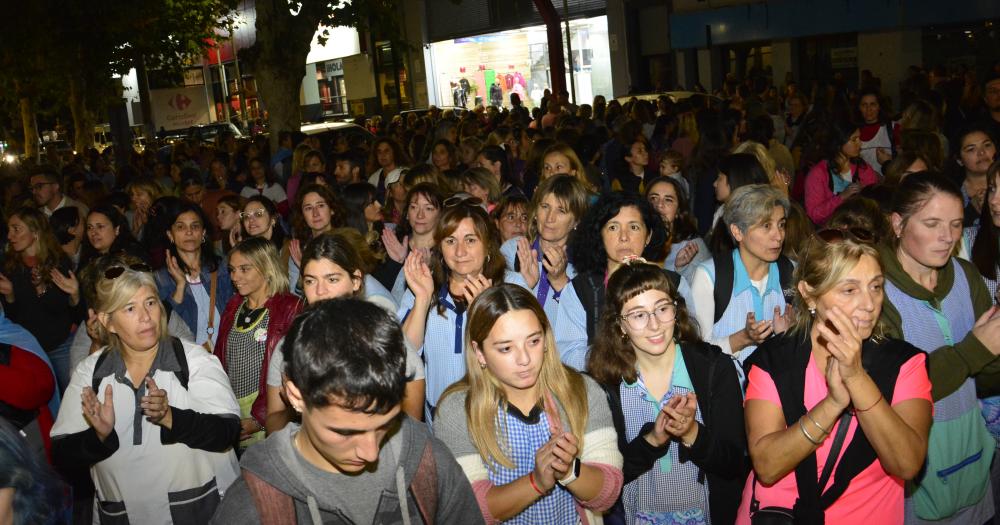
[[193, 282], [534, 437], [259, 218], [556, 208], [253, 323], [317, 210], [38, 289], [465, 260], [676, 403], [152, 416], [840, 175], [337, 264], [618, 228], [939, 303], [834, 398]]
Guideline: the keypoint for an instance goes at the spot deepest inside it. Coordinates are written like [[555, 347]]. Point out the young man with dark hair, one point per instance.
[[47, 190], [355, 451], [348, 167]]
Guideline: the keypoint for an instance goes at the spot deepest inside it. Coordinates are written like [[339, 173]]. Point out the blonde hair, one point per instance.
[[766, 161], [299, 157], [485, 396], [575, 164], [821, 266], [264, 257], [113, 294], [147, 185], [484, 179]]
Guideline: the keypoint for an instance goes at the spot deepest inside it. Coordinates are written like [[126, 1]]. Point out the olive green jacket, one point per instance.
[[948, 366]]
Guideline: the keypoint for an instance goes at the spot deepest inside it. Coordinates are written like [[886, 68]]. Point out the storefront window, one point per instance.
[[487, 69], [332, 91]]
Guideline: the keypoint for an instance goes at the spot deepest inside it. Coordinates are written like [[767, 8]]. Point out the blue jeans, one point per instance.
[[60, 363]]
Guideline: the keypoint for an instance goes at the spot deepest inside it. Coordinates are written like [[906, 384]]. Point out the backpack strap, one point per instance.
[[424, 485], [723, 289], [184, 372], [273, 506], [95, 382], [786, 269]]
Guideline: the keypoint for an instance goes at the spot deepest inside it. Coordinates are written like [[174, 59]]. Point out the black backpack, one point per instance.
[[725, 274], [182, 375]]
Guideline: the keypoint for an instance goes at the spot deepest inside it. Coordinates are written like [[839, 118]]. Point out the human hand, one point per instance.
[[850, 191], [987, 330], [555, 262], [757, 332], [174, 269], [526, 256], [100, 416], [565, 449], [248, 427], [883, 155], [418, 276], [782, 323], [6, 287], [681, 423], [155, 405], [836, 390], [91, 325], [977, 199], [67, 283], [841, 338], [235, 236], [394, 248], [686, 255], [474, 286]]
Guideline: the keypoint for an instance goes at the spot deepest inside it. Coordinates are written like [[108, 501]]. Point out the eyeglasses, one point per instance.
[[836, 235], [116, 271], [451, 202], [256, 213], [639, 319]]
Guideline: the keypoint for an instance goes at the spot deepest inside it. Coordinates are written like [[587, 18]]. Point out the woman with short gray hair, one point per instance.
[[739, 297]]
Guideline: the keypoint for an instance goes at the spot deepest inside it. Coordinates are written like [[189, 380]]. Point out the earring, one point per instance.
[[482, 365], [812, 311]]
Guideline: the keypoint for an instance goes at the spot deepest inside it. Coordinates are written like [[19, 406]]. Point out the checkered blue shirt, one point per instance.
[[669, 492], [524, 438]]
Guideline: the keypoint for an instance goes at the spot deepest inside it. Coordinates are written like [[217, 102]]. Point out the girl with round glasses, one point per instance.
[[675, 400]]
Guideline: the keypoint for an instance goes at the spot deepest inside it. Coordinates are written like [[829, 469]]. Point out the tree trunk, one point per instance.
[[279, 89], [28, 123], [83, 120]]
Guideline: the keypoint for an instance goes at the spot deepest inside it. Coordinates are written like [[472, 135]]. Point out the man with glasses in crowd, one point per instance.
[[46, 189]]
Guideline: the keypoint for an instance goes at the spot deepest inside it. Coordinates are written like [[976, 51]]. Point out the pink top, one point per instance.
[[873, 496], [820, 200]]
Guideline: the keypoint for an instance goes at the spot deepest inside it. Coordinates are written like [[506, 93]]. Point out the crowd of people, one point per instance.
[[766, 307]]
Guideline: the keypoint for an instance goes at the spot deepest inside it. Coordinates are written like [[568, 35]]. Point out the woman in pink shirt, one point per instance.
[[831, 372], [840, 176]]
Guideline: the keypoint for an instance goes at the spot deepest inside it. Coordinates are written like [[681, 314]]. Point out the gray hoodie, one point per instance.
[[372, 497]]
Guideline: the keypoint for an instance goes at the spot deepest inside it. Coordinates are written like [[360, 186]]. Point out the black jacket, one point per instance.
[[720, 448]]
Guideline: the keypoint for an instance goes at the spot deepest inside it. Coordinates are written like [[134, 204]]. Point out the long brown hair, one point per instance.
[[485, 395], [300, 228], [612, 357], [495, 265], [49, 254]]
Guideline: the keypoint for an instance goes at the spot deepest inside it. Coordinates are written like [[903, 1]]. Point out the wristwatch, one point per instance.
[[571, 477]]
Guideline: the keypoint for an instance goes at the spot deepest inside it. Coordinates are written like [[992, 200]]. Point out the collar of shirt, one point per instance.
[[741, 279], [678, 378], [165, 360]]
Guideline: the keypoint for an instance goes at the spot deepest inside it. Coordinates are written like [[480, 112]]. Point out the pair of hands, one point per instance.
[[554, 460], [839, 336], [398, 250], [758, 332], [101, 415], [554, 261], [686, 255], [675, 421], [421, 281], [850, 191], [67, 283]]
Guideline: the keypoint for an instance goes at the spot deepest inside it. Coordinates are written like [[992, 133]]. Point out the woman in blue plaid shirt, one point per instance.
[[534, 436]]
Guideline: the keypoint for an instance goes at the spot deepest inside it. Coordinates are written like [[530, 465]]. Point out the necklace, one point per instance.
[[249, 313]]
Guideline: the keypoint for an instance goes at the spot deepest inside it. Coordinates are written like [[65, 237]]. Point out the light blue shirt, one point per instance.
[[551, 299]]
